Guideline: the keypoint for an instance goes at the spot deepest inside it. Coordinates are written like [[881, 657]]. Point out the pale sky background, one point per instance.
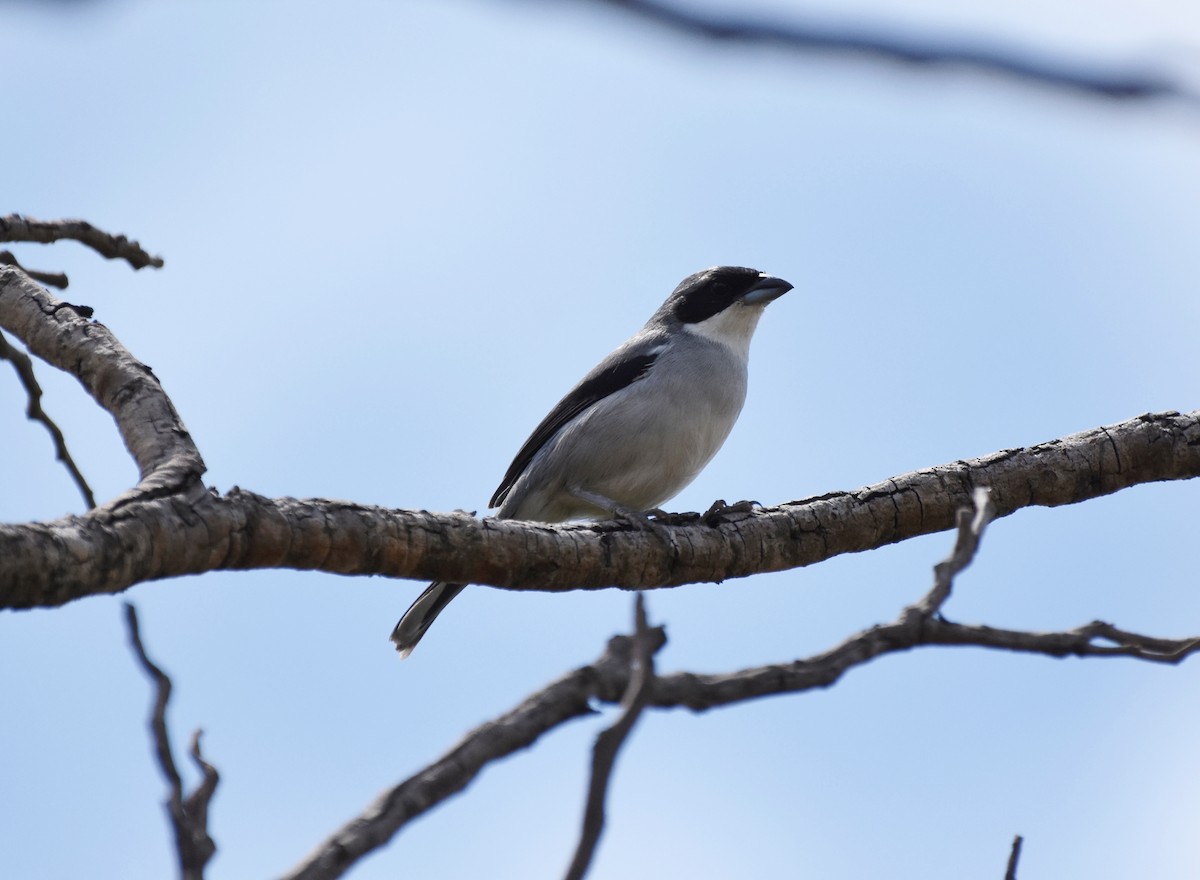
[[396, 233]]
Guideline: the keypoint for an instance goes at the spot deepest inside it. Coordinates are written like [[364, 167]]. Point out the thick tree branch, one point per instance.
[[188, 814], [15, 227], [153, 433], [149, 536], [988, 56], [152, 536], [169, 524], [611, 678]]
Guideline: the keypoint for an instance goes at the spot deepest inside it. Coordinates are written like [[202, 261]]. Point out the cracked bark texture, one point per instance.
[[170, 524]]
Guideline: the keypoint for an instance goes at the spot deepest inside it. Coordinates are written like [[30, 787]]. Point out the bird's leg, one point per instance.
[[619, 511]]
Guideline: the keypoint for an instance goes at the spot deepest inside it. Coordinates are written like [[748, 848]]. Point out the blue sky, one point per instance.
[[395, 234]]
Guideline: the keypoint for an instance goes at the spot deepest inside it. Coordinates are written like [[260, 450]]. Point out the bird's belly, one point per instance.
[[650, 458]]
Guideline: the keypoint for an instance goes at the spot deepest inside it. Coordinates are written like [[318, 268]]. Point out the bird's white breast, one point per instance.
[[642, 445]]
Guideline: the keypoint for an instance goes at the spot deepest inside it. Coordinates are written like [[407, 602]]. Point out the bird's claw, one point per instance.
[[718, 510]]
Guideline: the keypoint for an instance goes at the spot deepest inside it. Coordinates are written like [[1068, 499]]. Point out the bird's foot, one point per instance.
[[651, 520], [718, 510]]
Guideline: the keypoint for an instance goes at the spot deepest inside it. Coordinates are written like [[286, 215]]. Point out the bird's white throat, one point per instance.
[[731, 328]]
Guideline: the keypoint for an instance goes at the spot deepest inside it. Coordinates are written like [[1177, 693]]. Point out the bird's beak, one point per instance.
[[766, 289]]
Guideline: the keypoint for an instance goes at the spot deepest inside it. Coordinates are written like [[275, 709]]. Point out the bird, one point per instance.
[[640, 426]]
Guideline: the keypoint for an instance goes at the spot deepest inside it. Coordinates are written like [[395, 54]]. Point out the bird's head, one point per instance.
[[723, 303]]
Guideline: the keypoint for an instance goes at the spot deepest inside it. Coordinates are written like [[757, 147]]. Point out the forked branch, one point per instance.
[[188, 813], [610, 740], [612, 678]]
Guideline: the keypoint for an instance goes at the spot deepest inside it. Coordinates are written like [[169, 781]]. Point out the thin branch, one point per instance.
[[33, 411], [567, 698], [971, 521], [610, 740], [195, 805], [700, 692], [15, 227], [919, 625], [189, 816], [1013, 858], [613, 679], [50, 279], [1093, 79], [1095, 639]]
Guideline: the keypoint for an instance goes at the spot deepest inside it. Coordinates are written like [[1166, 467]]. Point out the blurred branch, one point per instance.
[[15, 227], [189, 815], [614, 678], [33, 391], [1094, 79], [50, 279], [610, 740], [1013, 857]]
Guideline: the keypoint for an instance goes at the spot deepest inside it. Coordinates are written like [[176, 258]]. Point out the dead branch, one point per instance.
[[971, 521], [15, 227], [170, 524], [189, 815], [567, 698], [610, 740], [612, 676], [181, 528], [50, 279], [33, 411], [127, 389], [987, 56], [1013, 857]]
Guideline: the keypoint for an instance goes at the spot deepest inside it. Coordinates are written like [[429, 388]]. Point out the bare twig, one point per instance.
[[609, 742], [15, 227], [33, 391], [567, 698], [50, 279], [195, 805], [1093, 79], [1013, 858], [614, 678], [189, 816], [1095, 639], [971, 521], [918, 625]]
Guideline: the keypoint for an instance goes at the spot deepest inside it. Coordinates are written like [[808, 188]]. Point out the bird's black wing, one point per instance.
[[610, 376]]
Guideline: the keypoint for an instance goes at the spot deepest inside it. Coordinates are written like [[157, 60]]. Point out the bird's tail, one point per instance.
[[421, 614]]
